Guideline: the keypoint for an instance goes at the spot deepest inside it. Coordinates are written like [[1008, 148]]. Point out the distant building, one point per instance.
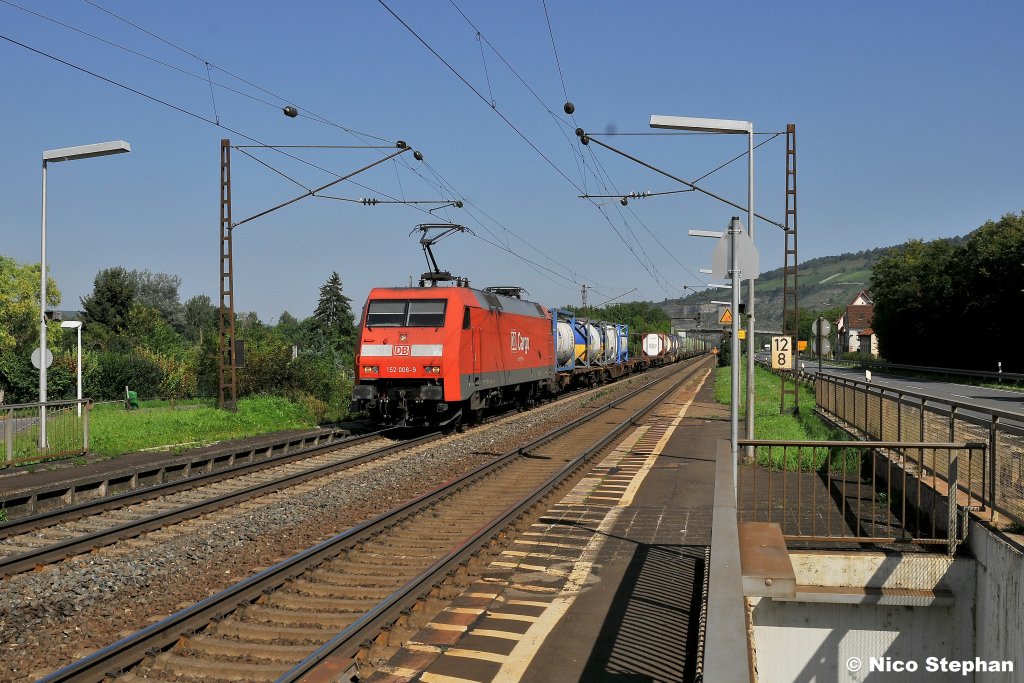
[[853, 329], [64, 315]]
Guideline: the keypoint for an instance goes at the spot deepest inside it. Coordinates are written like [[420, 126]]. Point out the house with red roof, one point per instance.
[[853, 329]]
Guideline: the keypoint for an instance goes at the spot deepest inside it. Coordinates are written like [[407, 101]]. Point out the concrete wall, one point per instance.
[[1000, 600], [801, 642]]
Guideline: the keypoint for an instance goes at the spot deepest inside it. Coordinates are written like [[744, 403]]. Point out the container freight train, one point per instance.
[[444, 355]]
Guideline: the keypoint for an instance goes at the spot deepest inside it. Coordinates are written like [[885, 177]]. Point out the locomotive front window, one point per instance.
[[426, 313], [415, 313], [386, 314]]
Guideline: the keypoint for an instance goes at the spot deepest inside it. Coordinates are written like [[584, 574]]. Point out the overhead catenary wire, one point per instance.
[[216, 122], [585, 138], [480, 95], [651, 269], [554, 49], [169, 43]]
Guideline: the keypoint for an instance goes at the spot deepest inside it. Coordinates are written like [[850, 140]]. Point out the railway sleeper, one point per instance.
[[370, 569], [424, 551], [269, 633], [286, 617], [212, 646], [177, 665], [328, 590], [388, 559], [326, 605], [346, 580]]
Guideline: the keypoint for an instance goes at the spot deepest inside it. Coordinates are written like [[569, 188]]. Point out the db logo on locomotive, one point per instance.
[[519, 342], [403, 350]]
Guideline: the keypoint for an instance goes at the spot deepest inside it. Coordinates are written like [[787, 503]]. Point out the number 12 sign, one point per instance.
[[782, 353]]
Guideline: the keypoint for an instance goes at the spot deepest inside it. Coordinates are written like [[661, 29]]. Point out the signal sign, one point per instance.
[[726, 318], [782, 353]]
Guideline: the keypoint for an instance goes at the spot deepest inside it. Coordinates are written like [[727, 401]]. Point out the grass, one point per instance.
[[770, 424], [159, 425]]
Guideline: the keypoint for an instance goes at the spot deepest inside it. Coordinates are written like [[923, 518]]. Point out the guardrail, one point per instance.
[[866, 492], [981, 374], [67, 430], [889, 414]]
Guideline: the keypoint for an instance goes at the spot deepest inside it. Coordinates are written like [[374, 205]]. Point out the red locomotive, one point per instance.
[[440, 355], [432, 355]]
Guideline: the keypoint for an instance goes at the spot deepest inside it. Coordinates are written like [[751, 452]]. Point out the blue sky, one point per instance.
[[907, 118]]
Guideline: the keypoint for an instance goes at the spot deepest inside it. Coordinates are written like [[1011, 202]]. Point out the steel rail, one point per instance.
[[82, 544], [70, 513], [342, 645], [132, 649]]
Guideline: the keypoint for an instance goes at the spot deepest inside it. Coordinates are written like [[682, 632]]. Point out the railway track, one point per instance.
[[32, 542], [321, 607]]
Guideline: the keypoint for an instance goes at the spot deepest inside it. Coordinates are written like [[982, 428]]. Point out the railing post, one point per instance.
[[993, 426], [9, 431], [952, 534], [85, 424], [899, 416], [882, 424]]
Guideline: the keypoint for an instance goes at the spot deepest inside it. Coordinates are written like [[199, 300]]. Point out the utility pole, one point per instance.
[[584, 297], [226, 372]]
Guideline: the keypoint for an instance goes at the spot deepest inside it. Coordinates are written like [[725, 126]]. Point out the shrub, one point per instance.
[[106, 374]]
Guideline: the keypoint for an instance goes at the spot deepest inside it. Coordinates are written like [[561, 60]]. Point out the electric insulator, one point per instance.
[[569, 108], [417, 155], [290, 111]]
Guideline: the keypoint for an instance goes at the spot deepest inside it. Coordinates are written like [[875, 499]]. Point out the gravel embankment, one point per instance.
[[50, 618]]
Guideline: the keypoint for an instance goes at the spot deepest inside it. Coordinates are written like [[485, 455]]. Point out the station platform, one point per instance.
[[25, 489], [607, 584]]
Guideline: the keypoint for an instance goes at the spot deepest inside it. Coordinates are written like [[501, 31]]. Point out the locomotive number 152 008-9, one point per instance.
[[400, 368]]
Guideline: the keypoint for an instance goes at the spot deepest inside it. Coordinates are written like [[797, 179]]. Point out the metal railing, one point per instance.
[[881, 366], [67, 430], [897, 415], [864, 492]]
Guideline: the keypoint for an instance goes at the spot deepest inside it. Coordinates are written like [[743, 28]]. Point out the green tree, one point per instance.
[[160, 292], [333, 316], [19, 304], [199, 318], [953, 302], [147, 329], [113, 294], [290, 329], [19, 329]]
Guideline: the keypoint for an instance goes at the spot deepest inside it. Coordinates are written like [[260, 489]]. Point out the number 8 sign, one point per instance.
[[782, 353]]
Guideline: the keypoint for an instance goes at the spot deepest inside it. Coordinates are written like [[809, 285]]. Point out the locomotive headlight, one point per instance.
[[433, 369], [369, 369]]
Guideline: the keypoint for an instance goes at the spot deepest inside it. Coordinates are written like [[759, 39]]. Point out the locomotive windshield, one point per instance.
[[409, 313]]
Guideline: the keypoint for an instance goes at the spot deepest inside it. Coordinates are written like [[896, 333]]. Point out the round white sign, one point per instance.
[[35, 358]]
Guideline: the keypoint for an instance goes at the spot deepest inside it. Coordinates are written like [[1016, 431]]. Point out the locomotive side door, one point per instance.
[[474, 343]]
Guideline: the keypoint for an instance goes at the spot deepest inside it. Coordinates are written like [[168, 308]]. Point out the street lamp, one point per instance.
[[729, 127], [76, 325], [100, 149], [734, 273]]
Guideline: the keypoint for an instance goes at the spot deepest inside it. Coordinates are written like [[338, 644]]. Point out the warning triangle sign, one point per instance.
[[726, 317]]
